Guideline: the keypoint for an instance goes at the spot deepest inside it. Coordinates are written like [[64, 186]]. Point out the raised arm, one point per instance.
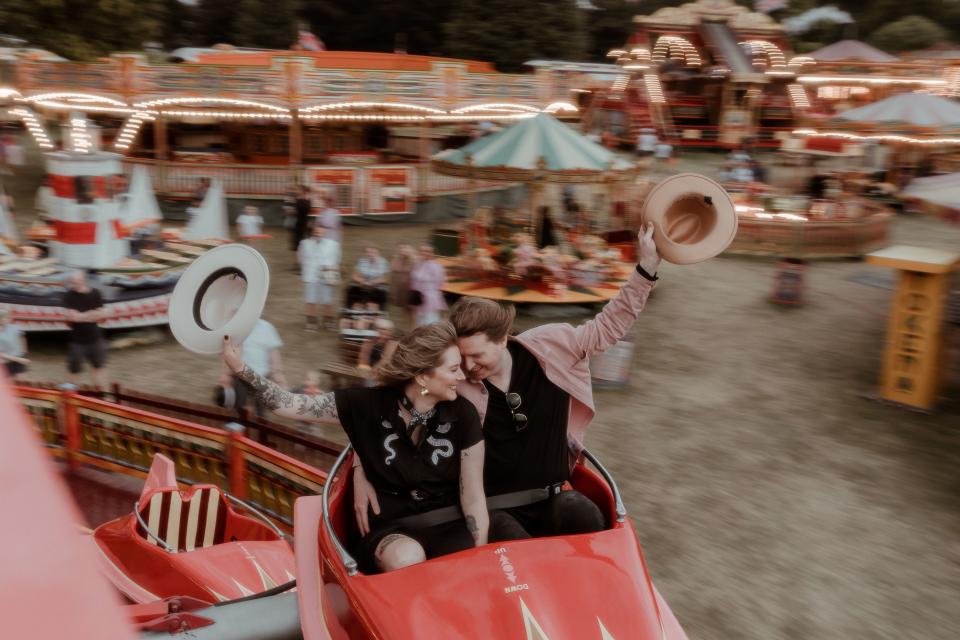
[[473, 501], [616, 318], [297, 406]]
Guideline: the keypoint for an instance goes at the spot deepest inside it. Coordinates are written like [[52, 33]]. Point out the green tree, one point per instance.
[[906, 34], [80, 29], [215, 21], [278, 24], [510, 32], [610, 26], [379, 25]]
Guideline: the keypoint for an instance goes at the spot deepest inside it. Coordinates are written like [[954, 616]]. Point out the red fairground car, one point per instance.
[[191, 543], [579, 587]]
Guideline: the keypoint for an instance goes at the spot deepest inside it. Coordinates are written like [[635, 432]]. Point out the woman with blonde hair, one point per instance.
[[420, 445]]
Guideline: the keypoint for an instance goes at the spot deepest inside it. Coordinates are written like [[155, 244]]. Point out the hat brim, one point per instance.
[[715, 242], [184, 304]]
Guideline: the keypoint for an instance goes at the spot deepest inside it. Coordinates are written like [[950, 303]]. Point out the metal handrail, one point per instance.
[[136, 512], [234, 499], [618, 502], [348, 561], [257, 513]]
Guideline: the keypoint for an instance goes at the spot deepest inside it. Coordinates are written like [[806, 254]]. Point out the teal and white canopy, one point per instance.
[[913, 109], [537, 147]]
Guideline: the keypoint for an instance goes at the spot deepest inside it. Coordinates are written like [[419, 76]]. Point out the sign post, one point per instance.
[[913, 361]]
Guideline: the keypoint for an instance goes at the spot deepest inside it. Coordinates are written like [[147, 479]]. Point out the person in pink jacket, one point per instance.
[[426, 301], [534, 396]]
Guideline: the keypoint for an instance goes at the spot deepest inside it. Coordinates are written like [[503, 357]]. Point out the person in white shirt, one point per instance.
[[261, 351], [43, 201], [329, 217], [13, 346], [646, 142], [319, 258], [250, 224]]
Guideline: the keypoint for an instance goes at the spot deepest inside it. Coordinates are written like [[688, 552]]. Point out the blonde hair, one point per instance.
[[471, 316], [417, 352]]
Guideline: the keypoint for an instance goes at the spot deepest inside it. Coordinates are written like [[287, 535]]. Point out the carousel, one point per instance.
[[98, 225], [551, 249]]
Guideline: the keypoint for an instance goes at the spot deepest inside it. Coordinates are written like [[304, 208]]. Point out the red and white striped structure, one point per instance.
[[86, 212]]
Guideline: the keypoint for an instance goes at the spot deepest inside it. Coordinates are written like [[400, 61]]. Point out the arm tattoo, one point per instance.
[[473, 528], [275, 398]]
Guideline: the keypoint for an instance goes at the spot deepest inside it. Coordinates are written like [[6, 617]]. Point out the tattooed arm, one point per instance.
[[472, 498], [321, 408]]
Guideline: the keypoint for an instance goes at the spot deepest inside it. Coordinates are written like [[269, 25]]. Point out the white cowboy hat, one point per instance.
[[221, 293], [693, 217]]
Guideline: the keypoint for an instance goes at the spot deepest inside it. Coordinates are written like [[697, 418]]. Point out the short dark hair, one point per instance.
[[471, 316]]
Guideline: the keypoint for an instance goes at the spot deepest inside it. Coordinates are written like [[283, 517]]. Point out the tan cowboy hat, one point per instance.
[[693, 217], [221, 293]]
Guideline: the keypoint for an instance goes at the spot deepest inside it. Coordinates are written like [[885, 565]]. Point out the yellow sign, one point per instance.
[[913, 361]]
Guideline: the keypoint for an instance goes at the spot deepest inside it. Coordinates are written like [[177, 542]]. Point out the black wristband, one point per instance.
[[643, 272]]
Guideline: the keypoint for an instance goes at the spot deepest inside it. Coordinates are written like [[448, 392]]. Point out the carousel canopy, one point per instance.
[[917, 109], [521, 148], [851, 50], [940, 190]]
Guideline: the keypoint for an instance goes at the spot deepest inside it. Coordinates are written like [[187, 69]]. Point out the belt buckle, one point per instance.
[[417, 495]]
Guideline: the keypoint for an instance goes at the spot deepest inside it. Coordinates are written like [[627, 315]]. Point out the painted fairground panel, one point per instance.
[[42, 407], [338, 182], [273, 481], [112, 437], [388, 189], [369, 85], [485, 87], [54, 76], [252, 83]]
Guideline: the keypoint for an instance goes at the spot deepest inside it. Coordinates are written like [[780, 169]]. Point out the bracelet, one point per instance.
[[643, 272]]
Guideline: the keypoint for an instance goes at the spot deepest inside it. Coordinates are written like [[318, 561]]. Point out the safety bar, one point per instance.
[[618, 502], [348, 561], [249, 507]]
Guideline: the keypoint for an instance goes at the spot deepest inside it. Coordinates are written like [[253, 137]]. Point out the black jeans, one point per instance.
[[568, 512]]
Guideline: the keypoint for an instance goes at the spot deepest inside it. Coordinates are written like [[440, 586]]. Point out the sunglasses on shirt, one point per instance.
[[519, 419]]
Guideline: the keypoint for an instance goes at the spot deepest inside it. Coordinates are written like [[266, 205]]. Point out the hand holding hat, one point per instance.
[[647, 256], [232, 355], [693, 217]]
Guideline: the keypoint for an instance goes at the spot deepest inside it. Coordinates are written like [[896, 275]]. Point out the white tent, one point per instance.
[[915, 109], [939, 190], [141, 206], [8, 227], [209, 220]]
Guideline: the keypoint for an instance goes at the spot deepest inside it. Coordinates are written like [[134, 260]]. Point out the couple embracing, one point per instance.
[[472, 433]]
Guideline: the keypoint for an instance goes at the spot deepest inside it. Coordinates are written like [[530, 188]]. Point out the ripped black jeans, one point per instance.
[[568, 512]]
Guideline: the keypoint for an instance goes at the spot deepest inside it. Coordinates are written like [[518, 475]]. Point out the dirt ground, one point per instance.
[[772, 499]]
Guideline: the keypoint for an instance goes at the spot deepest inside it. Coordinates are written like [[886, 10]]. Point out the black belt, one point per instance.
[[502, 501]]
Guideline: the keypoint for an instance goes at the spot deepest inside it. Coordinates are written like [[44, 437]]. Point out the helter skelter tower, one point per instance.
[[88, 187]]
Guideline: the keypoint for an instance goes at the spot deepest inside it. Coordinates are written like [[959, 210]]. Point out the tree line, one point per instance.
[[505, 32]]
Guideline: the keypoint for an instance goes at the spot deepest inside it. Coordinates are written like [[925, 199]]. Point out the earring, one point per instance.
[[424, 391]]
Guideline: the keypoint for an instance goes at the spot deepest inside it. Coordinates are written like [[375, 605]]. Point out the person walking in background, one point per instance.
[[301, 207], [545, 235], [84, 310], [43, 201], [330, 218], [250, 224], [13, 346], [400, 267], [425, 299], [201, 192], [320, 271]]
